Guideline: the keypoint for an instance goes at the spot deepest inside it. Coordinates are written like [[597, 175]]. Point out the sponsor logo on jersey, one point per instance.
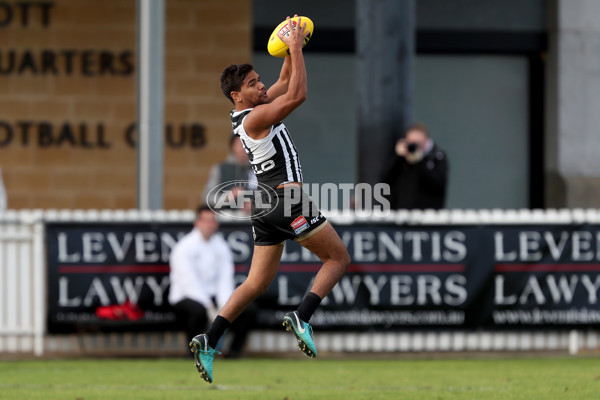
[[300, 225]]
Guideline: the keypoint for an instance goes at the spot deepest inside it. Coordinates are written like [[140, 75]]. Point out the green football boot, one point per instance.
[[303, 332], [204, 356]]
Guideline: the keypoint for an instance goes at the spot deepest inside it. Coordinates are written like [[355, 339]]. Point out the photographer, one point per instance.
[[418, 173]]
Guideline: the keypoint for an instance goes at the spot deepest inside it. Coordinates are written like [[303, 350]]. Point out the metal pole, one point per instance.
[[150, 98], [385, 46]]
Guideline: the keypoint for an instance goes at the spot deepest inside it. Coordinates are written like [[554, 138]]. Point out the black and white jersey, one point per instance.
[[274, 158]]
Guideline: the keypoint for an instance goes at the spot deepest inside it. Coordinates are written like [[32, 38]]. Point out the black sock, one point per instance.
[[308, 306], [216, 330]]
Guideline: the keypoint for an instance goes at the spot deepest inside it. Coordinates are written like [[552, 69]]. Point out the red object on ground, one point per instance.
[[120, 312]]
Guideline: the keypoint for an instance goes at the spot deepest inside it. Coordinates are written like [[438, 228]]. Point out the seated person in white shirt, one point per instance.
[[202, 279]]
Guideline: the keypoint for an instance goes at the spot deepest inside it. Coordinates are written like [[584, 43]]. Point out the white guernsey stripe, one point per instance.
[[286, 155], [274, 158], [294, 154]]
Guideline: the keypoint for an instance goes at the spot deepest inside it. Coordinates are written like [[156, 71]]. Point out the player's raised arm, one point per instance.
[[281, 86], [263, 116]]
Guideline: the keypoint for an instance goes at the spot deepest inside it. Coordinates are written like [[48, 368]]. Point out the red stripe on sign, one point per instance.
[[112, 269], [299, 267], [546, 267], [407, 268], [241, 268], [379, 268]]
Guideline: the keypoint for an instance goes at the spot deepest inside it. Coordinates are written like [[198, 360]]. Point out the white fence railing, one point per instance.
[[23, 291], [22, 279]]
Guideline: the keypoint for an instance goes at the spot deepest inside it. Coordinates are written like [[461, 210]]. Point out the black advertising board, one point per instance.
[[446, 276]]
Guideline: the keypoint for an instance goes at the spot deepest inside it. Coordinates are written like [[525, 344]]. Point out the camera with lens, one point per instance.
[[412, 147]]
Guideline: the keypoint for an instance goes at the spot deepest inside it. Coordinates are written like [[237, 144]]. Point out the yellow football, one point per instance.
[[276, 47]]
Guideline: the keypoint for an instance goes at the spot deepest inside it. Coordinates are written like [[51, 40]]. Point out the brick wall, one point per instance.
[[67, 99]]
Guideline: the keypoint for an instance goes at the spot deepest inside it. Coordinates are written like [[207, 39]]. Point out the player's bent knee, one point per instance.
[[257, 287], [343, 258], [347, 260]]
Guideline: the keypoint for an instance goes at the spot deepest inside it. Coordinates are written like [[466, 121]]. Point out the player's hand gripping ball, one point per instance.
[[276, 47]]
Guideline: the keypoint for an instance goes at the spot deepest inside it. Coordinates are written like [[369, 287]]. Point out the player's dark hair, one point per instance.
[[232, 78]]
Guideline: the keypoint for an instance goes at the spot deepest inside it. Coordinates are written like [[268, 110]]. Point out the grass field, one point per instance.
[[300, 378]]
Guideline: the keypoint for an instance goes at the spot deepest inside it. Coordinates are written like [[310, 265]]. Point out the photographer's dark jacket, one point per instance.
[[418, 186]]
